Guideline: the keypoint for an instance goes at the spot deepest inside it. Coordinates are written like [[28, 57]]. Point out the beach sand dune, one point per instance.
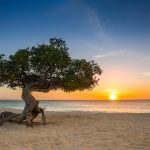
[[80, 131]]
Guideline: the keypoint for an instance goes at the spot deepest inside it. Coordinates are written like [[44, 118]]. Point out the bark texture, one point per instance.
[[31, 108]]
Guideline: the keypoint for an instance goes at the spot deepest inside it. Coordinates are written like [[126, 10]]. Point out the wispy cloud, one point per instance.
[[110, 54], [98, 28], [88, 14], [95, 23], [146, 74]]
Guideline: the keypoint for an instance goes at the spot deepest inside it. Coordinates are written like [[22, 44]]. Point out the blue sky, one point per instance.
[[115, 33], [108, 23]]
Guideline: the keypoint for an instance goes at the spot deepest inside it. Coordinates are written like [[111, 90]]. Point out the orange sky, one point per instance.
[[124, 88], [125, 77]]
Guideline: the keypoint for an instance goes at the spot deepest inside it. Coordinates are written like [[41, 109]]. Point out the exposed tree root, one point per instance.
[[8, 117], [13, 117], [32, 115], [31, 109]]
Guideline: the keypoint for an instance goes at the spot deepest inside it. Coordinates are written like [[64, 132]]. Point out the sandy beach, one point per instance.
[[80, 131]]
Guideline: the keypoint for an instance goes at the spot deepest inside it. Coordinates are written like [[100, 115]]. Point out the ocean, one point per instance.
[[136, 106]]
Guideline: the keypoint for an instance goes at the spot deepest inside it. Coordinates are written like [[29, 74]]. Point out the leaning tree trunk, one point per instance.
[[31, 104], [30, 101], [31, 108]]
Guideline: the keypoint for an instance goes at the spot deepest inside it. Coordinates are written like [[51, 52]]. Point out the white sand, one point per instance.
[[80, 131]]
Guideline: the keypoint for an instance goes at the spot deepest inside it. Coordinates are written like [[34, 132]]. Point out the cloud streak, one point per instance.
[[147, 74], [95, 23], [110, 54]]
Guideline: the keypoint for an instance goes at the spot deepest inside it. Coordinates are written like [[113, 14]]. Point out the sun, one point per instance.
[[113, 96]]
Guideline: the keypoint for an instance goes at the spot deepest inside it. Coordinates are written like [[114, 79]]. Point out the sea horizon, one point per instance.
[[118, 100], [122, 106]]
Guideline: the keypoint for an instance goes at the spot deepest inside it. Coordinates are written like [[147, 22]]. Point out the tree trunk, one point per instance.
[[30, 101], [31, 104], [31, 108]]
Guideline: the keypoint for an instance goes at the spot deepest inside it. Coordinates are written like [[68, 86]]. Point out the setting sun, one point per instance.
[[113, 96]]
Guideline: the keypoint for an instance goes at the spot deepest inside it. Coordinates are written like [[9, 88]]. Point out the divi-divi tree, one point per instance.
[[44, 68]]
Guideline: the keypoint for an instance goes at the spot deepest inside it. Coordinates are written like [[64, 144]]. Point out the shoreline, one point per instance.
[[85, 106], [82, 131], [74, 112]]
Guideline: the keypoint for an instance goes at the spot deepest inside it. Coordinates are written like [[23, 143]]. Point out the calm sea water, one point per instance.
[[99, 106]]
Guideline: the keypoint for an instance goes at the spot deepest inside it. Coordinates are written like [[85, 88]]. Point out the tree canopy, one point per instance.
[[48, 63]]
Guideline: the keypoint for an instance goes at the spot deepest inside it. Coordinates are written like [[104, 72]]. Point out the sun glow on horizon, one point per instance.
[[113, 96]]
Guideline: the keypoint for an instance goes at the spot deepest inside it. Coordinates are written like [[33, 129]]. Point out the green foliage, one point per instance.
[[47, 60], [50, 64], [80, 75], [2, 70]]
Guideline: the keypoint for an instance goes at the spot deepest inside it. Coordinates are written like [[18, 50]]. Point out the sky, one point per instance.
[[113, 33]]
